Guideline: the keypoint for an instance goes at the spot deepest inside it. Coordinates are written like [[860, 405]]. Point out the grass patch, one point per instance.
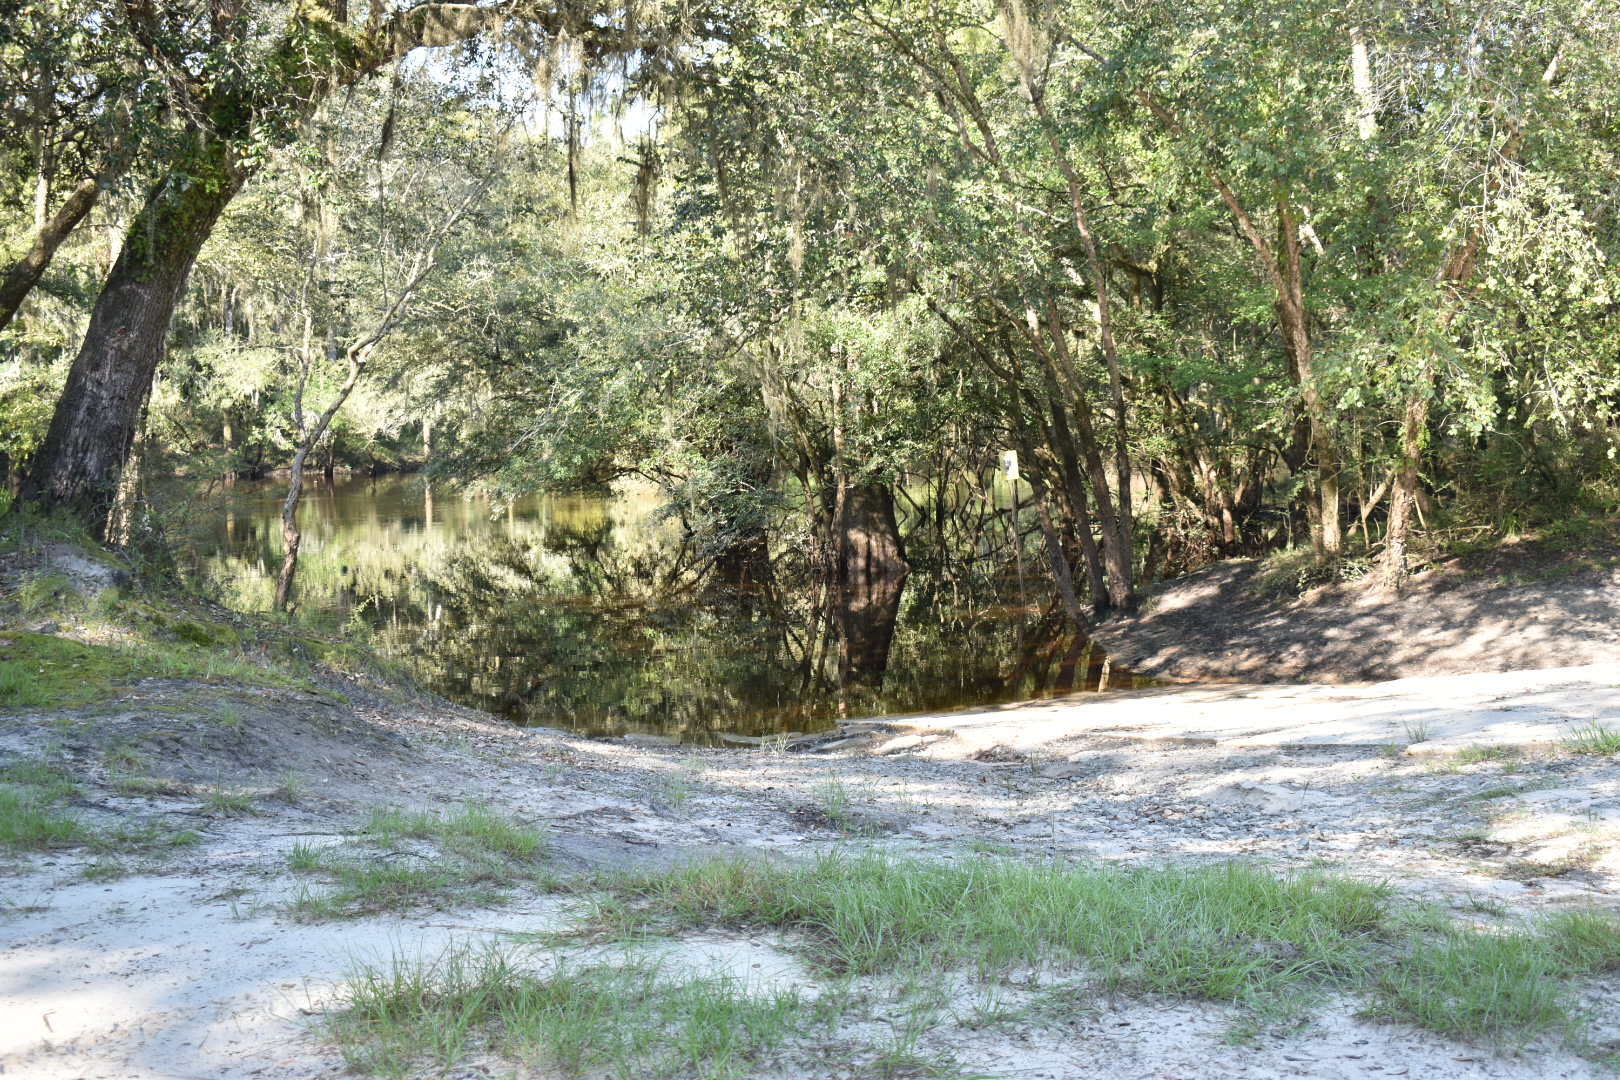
[[144, 838], [478, 854], [1233, 935], [1507, 987], [675, 790], [1417, 731], [42, 670], [32, 818], [1221, 934], [226, 802], [1594, 738], [290, 789], [229, 717], [836, 803], [1042, 941], [1476, 755], [105, 868], [365, 886], [46, 671], [624, 1020], [48, 781], [126, 784], [472, 829], [151, 625], [30, 821]]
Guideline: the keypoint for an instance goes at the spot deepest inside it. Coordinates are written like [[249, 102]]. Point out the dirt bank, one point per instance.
[[1518, 606], [203, 960]]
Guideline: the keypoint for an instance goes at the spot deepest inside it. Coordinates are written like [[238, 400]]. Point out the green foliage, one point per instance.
[[876, 245]]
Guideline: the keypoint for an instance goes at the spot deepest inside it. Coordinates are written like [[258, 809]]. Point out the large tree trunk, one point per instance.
[[79, 465], [867, 536]]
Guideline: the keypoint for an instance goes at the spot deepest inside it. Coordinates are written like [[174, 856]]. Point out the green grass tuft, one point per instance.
[[1499, 987], [1594, 738], [226, 802], [31, 822], [1474, 755], [479, 853], [474, 829], [1224, 933], [627, 1020], [362, 886]]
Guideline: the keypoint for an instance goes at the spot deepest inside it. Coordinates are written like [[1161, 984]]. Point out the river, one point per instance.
[[579, 612]]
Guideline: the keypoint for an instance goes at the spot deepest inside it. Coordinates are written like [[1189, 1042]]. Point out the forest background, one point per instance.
[[1220, 278]]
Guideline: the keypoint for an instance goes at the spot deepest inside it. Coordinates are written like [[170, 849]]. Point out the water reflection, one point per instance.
[[585, 612]]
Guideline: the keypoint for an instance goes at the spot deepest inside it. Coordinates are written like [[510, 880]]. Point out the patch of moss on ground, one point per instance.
[[148, 625], [42, 670], [45, 671]]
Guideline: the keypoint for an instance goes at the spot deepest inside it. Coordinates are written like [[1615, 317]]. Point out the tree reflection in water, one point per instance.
[[591, 613]]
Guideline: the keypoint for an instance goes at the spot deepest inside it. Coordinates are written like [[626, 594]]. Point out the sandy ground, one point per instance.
[[1516, 607], [186, 968]]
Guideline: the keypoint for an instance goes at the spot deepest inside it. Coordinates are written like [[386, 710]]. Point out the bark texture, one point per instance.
[[79, 465]]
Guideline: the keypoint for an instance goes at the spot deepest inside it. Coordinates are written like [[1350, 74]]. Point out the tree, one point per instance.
[[238, 99]]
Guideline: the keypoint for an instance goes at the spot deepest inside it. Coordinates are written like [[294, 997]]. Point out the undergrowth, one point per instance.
[[1595, 738]]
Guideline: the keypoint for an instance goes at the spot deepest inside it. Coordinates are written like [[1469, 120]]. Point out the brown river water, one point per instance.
[[574, 612]]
